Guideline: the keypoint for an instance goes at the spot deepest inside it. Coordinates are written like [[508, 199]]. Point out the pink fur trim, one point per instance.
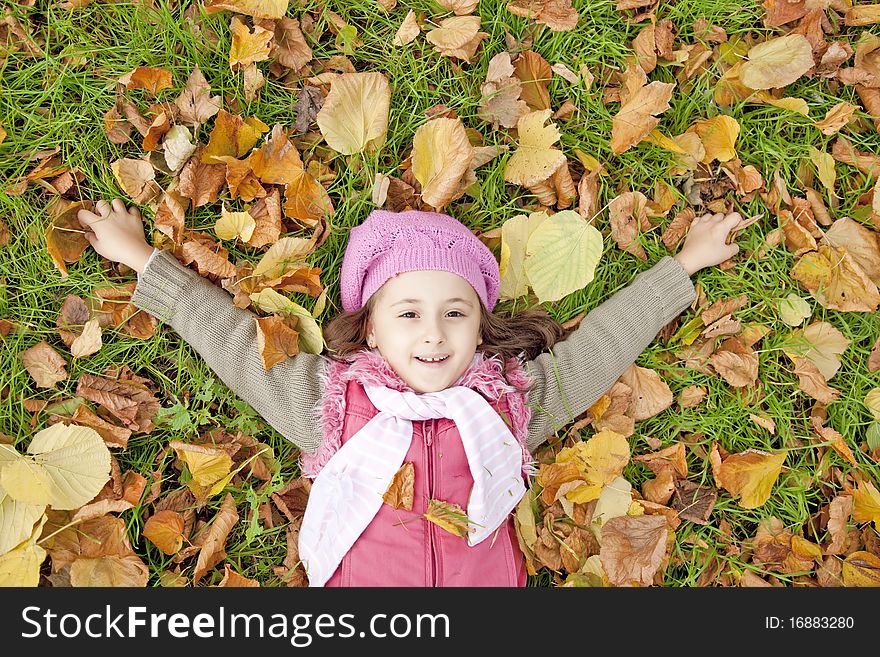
[[486, 375]]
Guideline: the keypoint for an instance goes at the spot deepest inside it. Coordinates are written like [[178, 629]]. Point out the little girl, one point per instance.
[[421, 372]]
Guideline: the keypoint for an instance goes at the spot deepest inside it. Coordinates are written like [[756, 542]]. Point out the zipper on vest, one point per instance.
[[429, 439]]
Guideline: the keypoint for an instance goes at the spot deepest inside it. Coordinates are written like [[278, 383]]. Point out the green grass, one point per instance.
[[51, 101]]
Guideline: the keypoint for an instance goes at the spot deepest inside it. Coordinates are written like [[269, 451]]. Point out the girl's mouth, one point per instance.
[[433, 363]]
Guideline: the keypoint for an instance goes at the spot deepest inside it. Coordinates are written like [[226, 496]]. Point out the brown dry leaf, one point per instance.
[[838, 514], [694, 502], [213, 540], [628, 215], [835, 280], [117, 129], [866, 504], [232, 579], [248, 47], [232, 136], [113, 435], [723, 307], [111, 570], [201, 183], [835, 118], [558, 15], [678, 228], [277, 339], [736, 363], [448, 516], [289, 49], [764, 422], [45, 365], [408, 30], [458, 36], [400, 491], [127, 399], [65, 238], [160, 125], [777, 62], [659, 489], [253, 82], [257, 8], [551, 476], [165, 530], [827, 434], [691, 396], [637, 116], [751, 475], [195, 102], [633, 548], [650, 394], [874, 358], [137, 179], [306, 200], [441, 156], [151, 79], [672, 458], [459, 7], [843, 151], [860, 243], [534, 74], [241, 179], [500, 101]]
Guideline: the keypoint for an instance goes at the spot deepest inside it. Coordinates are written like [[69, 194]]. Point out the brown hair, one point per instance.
[[529, 331]]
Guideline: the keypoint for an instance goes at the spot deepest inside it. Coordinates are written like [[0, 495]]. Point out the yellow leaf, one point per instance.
[[824, 163], [794, 309], [454, 33], [562, 255], [751, 475], [284, 256], [872, 401], [614, 502], [806, 549], [248, 47], [515, 233], [235, 225], [207, 465], [777, 62], [20, 566], [66, 466], [860, 243], [798, 105], [820, 343], [448, 516], [835, 280], [534, 160], [718, 136], [601, 459], [659, 139], [866, 504], [441, 155], [861, 569], [355, 112], [16, 518], [232, 136]]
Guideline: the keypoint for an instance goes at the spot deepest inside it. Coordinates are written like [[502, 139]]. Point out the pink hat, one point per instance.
[[390, 243]]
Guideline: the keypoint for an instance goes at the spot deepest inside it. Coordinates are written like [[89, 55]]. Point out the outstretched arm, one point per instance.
[[204, 316], [581, 368]]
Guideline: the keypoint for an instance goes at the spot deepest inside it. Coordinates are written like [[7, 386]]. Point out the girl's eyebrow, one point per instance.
[[418, 301]]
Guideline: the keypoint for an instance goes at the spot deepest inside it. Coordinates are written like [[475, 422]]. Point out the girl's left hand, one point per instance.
[[705, 244]]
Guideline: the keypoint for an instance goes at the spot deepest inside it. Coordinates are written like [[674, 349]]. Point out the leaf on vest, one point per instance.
[[400, 491], [448, 516]]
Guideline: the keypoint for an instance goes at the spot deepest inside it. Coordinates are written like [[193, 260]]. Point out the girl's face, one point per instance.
[[421, 314]]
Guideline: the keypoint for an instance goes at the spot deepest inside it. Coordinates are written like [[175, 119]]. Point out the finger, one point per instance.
[[733, 218], [86, 217], [118, 205], [102, 208]]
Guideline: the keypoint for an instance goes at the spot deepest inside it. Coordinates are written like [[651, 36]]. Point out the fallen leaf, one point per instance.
[[650, 394], [273, 9], [201, 183], [777, 62], [232, 579], [811, 381], [628, 215], [195, 102], [861, 569], [151, 79], [718, 136], [45, 365], [633, 549], [535, 159], [137, 179], [231, 136], [20, 566], [408, 30], [835, 118], [448, 516], [860, 243], [820, 343], [400, 490], [694, 502], [354, 116], [866, 503], [534, 74], [763, 422], [637, 116], [793, 309], [751, 475], [213, 541], [165, 530], [441, 155], [248, 47]]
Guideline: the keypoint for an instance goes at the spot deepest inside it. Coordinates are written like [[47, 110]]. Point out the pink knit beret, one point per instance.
[[390, 243]]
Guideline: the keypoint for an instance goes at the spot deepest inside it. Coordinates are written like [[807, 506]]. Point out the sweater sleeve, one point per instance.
[[226, 337], [581, 368]]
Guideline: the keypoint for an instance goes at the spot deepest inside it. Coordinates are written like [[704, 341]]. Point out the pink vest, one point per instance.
[[399, 547]]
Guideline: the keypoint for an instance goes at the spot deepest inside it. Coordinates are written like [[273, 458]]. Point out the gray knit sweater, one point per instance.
[[566, 380]]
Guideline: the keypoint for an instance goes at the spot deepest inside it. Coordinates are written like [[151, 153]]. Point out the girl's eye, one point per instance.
[[411, 312]]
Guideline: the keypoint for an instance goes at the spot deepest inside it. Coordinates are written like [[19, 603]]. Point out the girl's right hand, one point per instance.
[[117, 233]]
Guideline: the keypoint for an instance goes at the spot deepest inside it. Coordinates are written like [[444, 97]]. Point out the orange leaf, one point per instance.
[[165, 530], [400, 491]]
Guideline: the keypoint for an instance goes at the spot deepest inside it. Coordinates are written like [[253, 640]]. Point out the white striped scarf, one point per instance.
[[347, 493]]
